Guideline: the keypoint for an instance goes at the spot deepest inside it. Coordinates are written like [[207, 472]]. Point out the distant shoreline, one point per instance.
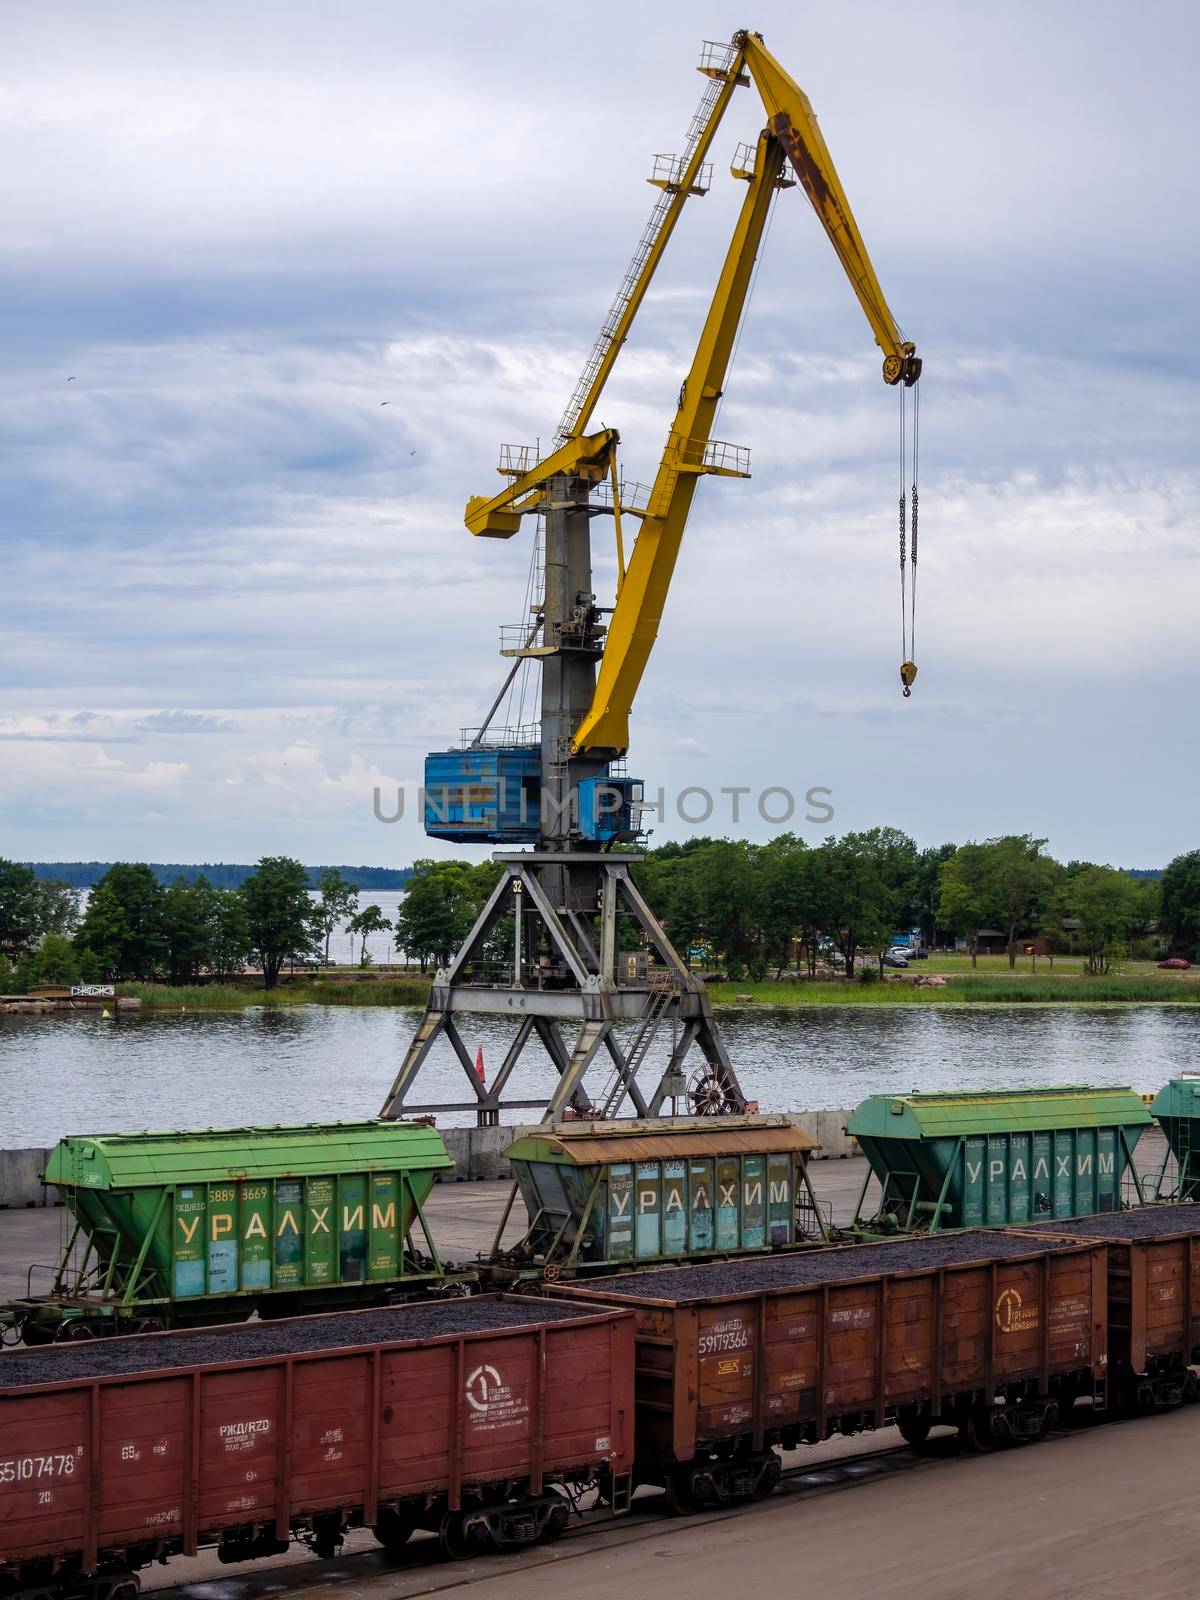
[[221, 874], [413, 990]]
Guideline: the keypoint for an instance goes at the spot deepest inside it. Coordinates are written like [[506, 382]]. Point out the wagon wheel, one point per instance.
[[712, 1094], [394, 1529], [914, 1423], [978, 1431], [1048, 1423], [461, 1540], [558, 1520], [768, 1477], [681, 1502], [69, 1332]]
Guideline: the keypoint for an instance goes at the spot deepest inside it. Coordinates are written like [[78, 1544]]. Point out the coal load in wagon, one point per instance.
[[253, 1341], [1143, 1222], [756, 1275], [473, 1420]]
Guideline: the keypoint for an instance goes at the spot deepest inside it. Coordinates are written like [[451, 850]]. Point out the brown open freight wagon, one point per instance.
[[989, 1332], [1153, 1300], [461, 1417]]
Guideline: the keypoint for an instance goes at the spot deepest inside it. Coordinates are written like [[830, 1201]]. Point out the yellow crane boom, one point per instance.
[[690, 453], [792, 133], [794, 123]]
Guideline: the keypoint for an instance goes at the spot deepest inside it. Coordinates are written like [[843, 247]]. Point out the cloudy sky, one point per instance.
[[238, 593]]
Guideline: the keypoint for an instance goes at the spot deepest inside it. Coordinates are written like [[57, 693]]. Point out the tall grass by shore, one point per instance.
[[237, 997], [1050, 989], [1046, 990]]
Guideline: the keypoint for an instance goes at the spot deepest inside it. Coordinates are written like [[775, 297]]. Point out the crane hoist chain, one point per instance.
[[908, 551]]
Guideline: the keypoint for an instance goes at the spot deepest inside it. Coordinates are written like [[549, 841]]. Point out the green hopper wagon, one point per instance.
[[996, 1159], [1176, 1108], [609, 1195], [186, 1228]]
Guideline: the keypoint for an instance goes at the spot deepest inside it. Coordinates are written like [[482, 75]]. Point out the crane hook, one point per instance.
[[908, 612]]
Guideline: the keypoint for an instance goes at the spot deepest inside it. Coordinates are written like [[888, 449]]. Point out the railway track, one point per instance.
[[363, 1568]]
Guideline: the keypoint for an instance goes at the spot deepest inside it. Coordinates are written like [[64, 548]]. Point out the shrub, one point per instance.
[[53, 962]]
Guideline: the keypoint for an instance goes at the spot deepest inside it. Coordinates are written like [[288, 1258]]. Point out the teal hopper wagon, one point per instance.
[[178, 1229], [1176, 1109], [998, 1159], [608, 1195]]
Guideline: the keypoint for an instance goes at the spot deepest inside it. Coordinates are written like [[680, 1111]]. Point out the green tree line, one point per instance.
[[747, 909], [220, 874], [135, 928]]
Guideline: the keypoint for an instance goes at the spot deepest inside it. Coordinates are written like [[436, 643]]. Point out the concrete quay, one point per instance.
[[477, 1153], [463, 1217]]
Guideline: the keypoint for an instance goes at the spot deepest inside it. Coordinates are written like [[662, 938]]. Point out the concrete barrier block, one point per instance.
[[21, 1179], [828, 1128], [478, 1153]]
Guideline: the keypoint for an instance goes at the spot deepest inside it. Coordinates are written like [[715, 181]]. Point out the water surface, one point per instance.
[[79, 1073]]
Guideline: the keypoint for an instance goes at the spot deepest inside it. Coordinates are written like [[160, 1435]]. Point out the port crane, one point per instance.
[[560, 786]]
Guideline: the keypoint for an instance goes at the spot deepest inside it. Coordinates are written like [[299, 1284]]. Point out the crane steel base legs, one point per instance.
[[566, 971]]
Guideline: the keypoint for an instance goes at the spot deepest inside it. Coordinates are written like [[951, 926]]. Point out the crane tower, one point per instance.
[[566, 946]]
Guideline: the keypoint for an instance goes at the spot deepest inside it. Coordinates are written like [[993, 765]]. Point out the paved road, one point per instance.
[[1109, 1513], [27, 1237]]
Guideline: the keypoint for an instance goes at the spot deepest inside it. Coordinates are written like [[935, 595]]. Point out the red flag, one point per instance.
[[480, 1073]]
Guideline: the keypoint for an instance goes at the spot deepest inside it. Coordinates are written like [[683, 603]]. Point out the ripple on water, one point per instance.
[[80, 1073]]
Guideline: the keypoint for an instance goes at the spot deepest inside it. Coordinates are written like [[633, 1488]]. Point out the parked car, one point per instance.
[[1175, 964], [895, 958]]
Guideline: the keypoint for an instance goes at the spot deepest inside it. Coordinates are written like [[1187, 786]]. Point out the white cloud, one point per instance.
[[238, 583]]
